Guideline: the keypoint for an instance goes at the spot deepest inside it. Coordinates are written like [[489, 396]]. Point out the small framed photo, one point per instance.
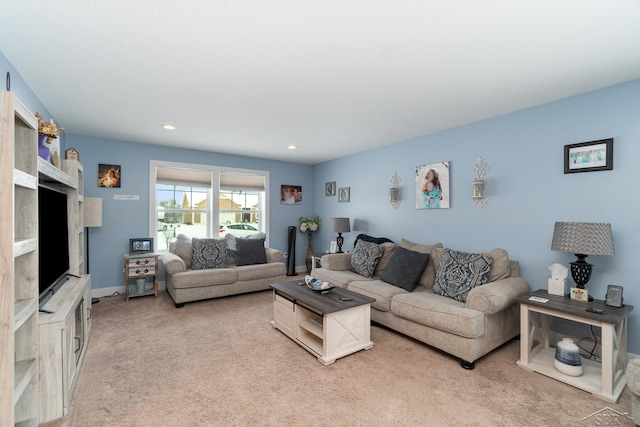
[[577, 294], [589, 156], [334, 247], [330, 188], [344, 194], [141, 245]]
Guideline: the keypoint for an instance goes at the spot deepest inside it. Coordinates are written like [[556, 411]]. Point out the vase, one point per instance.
[[309, 255], [43, 147]]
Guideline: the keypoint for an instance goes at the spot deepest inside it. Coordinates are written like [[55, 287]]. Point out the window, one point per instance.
[[195, 200]]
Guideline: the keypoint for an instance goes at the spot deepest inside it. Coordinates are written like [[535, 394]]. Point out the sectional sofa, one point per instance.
[[466, 326]]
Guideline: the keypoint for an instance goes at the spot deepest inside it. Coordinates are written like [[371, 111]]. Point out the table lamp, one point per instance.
[[582, 239], [340, 225]]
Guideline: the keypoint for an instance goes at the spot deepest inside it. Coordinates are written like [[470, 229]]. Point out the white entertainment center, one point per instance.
[[41, 352]]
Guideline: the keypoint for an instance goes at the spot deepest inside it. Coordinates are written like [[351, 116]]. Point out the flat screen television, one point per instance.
[[53, 241]]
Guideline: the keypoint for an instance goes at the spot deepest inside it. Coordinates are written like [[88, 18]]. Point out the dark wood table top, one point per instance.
[[322, 303], [566, 305]]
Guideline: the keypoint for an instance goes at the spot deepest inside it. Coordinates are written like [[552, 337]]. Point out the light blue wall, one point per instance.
[[22, 90], [528, 188], [126, 219]]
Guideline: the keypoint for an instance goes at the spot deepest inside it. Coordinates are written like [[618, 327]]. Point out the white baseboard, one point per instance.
[[114, 290]]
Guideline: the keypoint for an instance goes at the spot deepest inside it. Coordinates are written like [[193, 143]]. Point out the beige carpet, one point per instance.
[[220, 363]]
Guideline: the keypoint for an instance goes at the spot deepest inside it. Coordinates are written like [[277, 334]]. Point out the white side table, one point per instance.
[[140, 266]]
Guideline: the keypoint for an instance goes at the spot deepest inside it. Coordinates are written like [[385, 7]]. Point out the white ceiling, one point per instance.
[[250, 77]]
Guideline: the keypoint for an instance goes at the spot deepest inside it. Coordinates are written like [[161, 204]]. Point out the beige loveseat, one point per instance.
[[489, 317], [186, 284]]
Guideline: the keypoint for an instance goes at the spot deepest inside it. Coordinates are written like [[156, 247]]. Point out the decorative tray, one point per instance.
[[318, 285]]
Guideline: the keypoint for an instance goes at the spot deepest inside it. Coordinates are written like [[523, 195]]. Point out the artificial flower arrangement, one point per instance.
[[309, 224], [48, 129]]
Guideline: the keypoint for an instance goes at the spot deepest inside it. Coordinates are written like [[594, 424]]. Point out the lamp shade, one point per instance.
[[340, 225], [92, 212], [585, 238]]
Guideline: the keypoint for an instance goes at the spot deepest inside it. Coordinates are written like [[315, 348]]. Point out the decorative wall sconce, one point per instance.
[[394, 192], [480, 183]]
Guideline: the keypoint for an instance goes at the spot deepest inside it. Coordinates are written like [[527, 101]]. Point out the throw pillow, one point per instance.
[[405, 268], [182, 248], [365, 257], [499, 266], [250, 251], [367, 238], [459, 272], [208, 253]]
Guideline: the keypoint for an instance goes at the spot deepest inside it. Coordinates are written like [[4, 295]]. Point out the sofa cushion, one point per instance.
[[260, 271], [182, 248], [203, 278], [208, 253], [365, 258], [459, 272], [250, 251], [340, 278], [381, 291], [429, 274], [441, 313], [500, 266], [405, 268]]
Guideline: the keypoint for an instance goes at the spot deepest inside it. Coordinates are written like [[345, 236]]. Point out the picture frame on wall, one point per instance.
[[589, 156], [141, 245], [344, 194], [432, 189], [330, 188], [290, 194], [109, 175]]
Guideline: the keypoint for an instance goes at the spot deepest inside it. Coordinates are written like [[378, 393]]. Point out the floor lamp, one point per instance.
[[92, 218]]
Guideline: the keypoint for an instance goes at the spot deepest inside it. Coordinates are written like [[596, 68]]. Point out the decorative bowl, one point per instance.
[[318, 285]]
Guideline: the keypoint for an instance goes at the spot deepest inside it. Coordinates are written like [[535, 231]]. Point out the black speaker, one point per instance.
[[291, 261]]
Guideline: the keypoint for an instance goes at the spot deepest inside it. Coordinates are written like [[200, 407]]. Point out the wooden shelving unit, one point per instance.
[[18, 263], [20, 323]]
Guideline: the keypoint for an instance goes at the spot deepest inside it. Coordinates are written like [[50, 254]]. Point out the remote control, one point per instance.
[[596, 311]]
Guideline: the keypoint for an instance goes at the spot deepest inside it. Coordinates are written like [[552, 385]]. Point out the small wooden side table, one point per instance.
[[606, 379], [140, 267]]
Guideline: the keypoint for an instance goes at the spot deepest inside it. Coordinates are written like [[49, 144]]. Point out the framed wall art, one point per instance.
[[108, 176], [344, 194], [141, 245], [330, 188], [432, 186], [589, 156], [290, 194]]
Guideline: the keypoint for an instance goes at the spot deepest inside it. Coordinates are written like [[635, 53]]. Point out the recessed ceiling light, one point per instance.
[[168, 127], [292, 147]]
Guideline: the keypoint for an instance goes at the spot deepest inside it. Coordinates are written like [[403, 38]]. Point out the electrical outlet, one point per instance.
[[286, 254]]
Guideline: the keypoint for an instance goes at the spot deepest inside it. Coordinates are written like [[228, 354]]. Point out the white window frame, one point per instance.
[[213, 208]]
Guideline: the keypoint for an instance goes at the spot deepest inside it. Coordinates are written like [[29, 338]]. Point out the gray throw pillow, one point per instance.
[[459, 272], [365, 257], [405, 268], [250, 251], [208, 253]]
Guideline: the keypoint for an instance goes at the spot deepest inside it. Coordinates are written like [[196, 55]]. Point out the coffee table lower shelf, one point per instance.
[[328, 336]]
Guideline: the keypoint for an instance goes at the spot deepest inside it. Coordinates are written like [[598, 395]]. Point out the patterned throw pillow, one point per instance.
[[208, 253], [459, 272], [365, 257]]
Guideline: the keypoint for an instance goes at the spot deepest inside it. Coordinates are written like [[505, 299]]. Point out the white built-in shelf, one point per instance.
[[23, 308], [51, 173], [25, 371]]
